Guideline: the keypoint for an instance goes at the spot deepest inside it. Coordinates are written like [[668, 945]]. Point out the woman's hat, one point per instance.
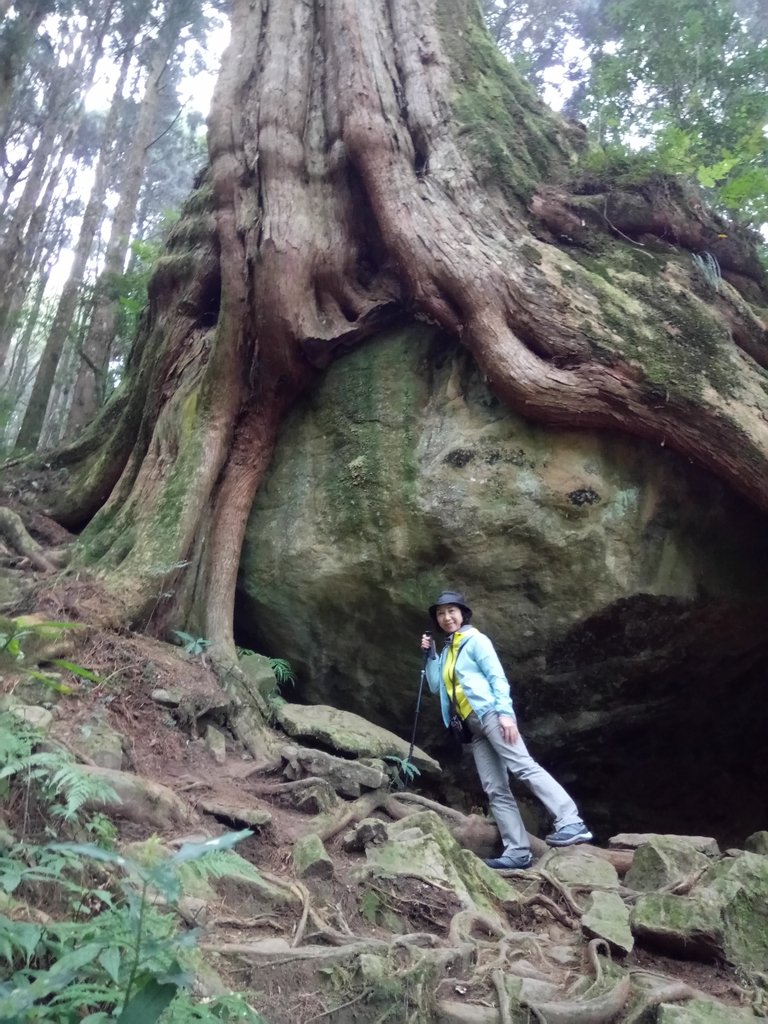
[[450, 597]]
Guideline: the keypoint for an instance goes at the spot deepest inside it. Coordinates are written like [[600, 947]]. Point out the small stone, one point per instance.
[[236, 814], [607, 917], [194, 910], [216, 744], [370, 832], [757, 843], [34, 715], [310, 858], [168, 698], [564, 955], [316, 798]]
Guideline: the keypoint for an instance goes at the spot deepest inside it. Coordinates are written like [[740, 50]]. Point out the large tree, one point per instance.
[[376, 161]]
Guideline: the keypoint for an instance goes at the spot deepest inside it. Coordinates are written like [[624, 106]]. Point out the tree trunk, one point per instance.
[[14, 52], [373, 161], [88, 392], [42, 238]]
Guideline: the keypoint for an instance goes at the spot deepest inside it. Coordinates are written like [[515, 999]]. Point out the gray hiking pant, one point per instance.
[[493, 759]]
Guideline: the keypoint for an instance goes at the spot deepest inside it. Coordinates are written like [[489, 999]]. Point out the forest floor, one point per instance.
[[290, 957]]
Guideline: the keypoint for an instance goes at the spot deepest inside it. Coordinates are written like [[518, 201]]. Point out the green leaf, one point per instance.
[[148, 1003], [110, 961], [10, 879], [94, 852], [77, 670], [50, 681]]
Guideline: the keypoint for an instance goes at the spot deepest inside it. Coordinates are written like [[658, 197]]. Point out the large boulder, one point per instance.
[[623, 587]]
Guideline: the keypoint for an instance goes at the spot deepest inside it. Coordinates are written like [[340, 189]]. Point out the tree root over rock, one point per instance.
[[14, 532]]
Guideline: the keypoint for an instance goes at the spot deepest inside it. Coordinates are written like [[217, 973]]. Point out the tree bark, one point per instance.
[[377, 160]]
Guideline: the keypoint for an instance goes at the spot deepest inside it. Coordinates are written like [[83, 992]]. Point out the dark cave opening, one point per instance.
[[653, 715]]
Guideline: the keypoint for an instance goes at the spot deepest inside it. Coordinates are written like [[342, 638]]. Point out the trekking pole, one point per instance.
[[425, 658]]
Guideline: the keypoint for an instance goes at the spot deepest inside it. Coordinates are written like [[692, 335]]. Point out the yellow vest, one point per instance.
[[455, 693]]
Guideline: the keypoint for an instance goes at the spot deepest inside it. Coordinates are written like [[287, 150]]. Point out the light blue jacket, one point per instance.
[[478, 672]]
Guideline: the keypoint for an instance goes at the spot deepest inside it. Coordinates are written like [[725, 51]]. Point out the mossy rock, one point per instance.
[[606, 916], [310, 858], [703, 1011], [575, 865], [725, 916], [662, 861], [421, 846], [350, 733]]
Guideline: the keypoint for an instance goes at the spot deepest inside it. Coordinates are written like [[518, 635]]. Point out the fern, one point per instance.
[[61, 782], [283, 671], [708, 269], [227, 1009], [78, 788], [219, 865]]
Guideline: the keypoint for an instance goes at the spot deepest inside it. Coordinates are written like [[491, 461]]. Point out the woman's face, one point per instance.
[[449, 617]]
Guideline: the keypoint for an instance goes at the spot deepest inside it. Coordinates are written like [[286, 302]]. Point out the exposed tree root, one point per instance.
[[505, 1013], [600, 1010], [562, 889], [361, 808], [540, 900], [432, 805], [13, 530]]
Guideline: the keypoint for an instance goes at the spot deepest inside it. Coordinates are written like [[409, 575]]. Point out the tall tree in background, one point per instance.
[[62, 84], [686, 80], [88, 393], [45, 127], [32, 423]]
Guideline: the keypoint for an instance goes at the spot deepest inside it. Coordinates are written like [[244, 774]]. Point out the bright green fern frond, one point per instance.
[[78, 788], [218, 865]]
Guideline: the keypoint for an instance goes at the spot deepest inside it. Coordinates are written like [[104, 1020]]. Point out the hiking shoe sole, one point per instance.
[[572, 840]]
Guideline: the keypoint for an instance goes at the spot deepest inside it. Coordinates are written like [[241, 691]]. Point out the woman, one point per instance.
[[472, 685]]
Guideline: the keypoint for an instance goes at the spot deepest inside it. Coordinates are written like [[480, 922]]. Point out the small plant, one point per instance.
[[708, 269], [127, 961], [60, 782], [283, 671], [192, 644], [14, 632], [402, 770]]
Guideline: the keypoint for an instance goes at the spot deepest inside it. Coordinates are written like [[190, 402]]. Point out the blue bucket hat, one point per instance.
[[451, 597]]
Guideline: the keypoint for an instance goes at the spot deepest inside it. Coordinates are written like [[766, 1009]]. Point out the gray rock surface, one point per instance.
[[349, 733], [216, 744], [633, 840], [310, 858], [664, 861], [623, 587], [347, 777], [757, 843], [606, 917]]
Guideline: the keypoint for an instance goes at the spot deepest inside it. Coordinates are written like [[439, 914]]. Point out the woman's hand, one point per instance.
[[508, 728], [426, 641]]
